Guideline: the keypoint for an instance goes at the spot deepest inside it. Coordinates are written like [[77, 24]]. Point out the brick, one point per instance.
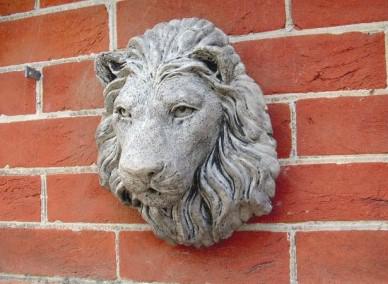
[[17, 94], [52, 36], [19, 198], [342, 257], [80, 198], [347, 125], [58, 252], [71, 86], [48, 3], [247, 257], [8, 7], [53, 142], [280, 117], [326, 13], [316, 63], [233, 16], [330, 192]]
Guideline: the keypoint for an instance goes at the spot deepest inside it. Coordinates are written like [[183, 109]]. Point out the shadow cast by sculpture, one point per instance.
[[185, 137]]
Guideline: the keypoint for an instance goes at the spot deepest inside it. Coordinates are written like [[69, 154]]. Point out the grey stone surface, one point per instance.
[[186, 137]]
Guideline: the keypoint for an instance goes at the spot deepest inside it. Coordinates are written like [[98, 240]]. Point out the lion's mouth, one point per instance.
[[128, 198], [151, 194], [147, 193]]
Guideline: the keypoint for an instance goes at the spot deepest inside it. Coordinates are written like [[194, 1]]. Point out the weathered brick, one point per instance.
[[324, 13], [47, 3], [19, 198], [8, 7], [345, 125], [53, 142], [17, 94], [71, 86], [330, 192], [342, 257], [58, 252], [233, 16], [280, 117], [80, 198], [316, 63], [56, 35], [247, 257]]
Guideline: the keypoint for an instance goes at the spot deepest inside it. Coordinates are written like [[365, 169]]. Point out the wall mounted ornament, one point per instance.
[[185, 137]]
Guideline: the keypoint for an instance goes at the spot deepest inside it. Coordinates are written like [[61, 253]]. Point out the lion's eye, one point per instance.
[[123, 112], [182, 111]]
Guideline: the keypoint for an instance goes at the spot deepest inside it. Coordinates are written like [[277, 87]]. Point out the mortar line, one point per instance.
[[293, 127], [59, 279], [317, 226], [32, 278], [40, 64], [293, 260], [101, 227], [51, 115], [293, 97], [289, 26], [117, 254], [49, 170], [37, 5], [43, 199], [313, 226], [112, 11], [336, 30], [335, 159]]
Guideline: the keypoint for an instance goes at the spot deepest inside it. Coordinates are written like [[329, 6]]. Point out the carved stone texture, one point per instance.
[[185, 137]]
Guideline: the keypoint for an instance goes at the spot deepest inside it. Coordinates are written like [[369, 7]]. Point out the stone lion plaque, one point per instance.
[[185, 137]]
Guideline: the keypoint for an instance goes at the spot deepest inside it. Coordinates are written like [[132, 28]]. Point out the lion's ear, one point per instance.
[[108, 66], [220, 61]]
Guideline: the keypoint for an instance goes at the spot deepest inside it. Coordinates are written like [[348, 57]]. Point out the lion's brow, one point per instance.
[[183, 94]]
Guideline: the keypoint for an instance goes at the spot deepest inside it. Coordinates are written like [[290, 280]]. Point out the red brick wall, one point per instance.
[[323, 67]]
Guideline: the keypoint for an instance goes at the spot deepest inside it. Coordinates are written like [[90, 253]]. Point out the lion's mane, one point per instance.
[[236, 180]]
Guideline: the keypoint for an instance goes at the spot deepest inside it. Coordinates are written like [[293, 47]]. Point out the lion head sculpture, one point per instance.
[[185, 137]]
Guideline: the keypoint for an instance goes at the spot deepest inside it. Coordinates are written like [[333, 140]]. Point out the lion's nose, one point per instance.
[[143, 171]]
